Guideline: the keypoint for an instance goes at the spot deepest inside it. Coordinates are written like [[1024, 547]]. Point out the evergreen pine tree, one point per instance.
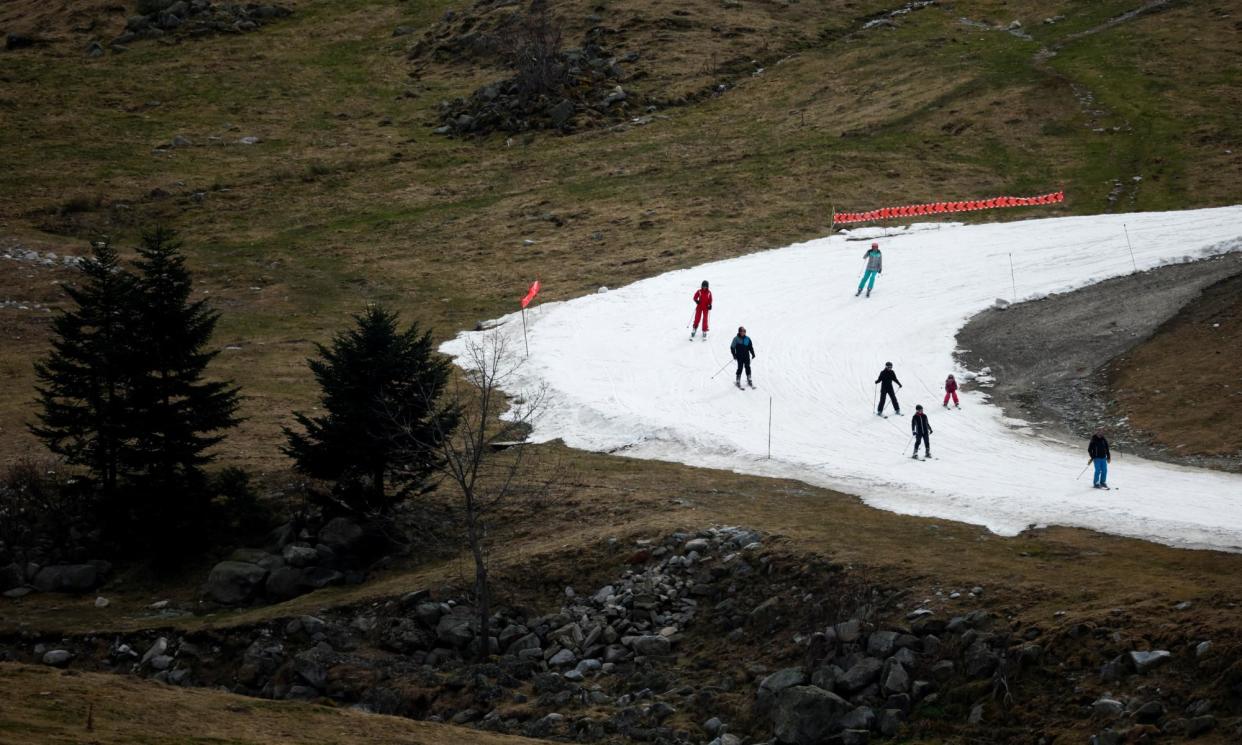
[[380, 389], [177, 415], [85, 381]]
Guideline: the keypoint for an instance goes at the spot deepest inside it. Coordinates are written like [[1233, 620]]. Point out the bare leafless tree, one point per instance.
[[532, 42], [485, 458]]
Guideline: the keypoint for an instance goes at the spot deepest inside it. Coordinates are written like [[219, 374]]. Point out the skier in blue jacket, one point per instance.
[[742, 349]]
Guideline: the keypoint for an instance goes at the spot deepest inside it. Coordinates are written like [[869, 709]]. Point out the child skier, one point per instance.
[[886, 380], [950, 390], [742, 350], [875, 265], [1097, 452], [702, 304], [921, 429]]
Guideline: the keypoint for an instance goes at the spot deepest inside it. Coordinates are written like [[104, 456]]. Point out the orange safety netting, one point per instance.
[[937, 208]]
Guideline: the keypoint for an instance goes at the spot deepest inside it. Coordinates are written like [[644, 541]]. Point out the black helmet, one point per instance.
[[704, 285], [888, 364]]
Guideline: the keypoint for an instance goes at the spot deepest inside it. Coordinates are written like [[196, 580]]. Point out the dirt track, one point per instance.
[[1048, 356]]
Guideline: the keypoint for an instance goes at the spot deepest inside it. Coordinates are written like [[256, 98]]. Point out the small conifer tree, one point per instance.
[[378, 384], [85, 381]]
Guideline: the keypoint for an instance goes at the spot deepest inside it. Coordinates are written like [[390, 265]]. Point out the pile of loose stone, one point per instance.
[[18, 252], [195, 18], [670, 651], [591, 95]]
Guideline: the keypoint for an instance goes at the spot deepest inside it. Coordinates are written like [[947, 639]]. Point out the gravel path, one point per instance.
[[1048, 355]]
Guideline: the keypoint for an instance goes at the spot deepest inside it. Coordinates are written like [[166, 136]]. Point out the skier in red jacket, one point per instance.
[[950, 390], [702, 304]]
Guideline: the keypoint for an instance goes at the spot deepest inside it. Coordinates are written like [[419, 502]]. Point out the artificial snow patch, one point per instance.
[[622, 377]]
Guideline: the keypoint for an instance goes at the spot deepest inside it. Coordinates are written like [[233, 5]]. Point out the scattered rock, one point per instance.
[[1108, 708], [1145, 661]]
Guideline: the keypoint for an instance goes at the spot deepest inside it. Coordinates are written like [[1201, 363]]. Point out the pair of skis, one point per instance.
[[738, 383]]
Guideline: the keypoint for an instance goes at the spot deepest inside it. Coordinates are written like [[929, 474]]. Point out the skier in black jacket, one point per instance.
[[921, 429], [1097, 452], [742, 349], [886, 380]]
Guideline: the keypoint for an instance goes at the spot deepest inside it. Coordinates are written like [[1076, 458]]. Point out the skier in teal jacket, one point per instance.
[[875, 265]]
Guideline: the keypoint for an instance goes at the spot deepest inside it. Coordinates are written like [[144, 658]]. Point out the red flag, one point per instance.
[[530, 294]]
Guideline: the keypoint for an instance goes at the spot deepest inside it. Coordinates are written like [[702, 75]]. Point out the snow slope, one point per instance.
[[624, 377]]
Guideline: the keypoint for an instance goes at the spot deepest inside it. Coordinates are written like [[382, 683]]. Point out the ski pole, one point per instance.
[[720, 370], [875, 401], [1084, 470], [903, 450]]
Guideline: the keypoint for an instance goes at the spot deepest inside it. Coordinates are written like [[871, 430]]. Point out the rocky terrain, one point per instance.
[[718, 636]]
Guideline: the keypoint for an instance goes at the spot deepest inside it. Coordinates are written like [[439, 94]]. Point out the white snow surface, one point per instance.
[[623, 376]]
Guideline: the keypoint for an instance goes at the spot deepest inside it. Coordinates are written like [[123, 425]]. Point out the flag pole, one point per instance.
[[769, 428], [524, 337], [1133, 263]]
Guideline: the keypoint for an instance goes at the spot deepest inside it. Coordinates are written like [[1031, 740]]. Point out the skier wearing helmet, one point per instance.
[[702, 304], [875, 265], [743, 350], [886, 380]]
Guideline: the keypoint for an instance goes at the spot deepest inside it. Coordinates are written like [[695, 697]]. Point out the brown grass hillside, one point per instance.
[[334, 208]]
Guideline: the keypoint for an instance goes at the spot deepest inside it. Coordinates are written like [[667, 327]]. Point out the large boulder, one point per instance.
[[457, 629], [864, 672], [341, 534], [287, 582], [895, 678], [67, 578], [530, 641], [300, 555], [772, 686], [234, 582], [806, 715], [881, 643], [11, 576], [651, 645], [317, 577]]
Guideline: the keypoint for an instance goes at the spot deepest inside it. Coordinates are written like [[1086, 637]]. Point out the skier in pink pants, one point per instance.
[[950, 391], [702, 305]]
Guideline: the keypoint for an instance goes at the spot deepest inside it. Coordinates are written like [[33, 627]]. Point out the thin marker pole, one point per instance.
[[1131, 245], [1012, 279], [769, 428], [526, 340]]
